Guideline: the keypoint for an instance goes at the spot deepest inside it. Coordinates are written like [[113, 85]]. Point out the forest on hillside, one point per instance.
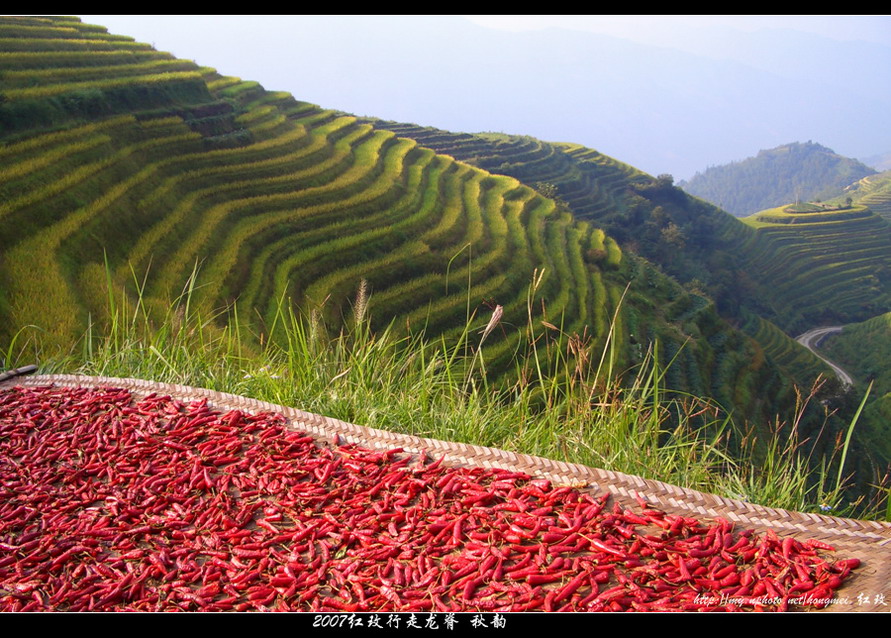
[[788, 173]]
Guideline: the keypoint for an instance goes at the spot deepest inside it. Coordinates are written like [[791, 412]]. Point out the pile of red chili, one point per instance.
[[109, 503]]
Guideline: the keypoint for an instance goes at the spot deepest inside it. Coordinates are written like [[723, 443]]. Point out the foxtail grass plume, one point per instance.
[[493, 321]]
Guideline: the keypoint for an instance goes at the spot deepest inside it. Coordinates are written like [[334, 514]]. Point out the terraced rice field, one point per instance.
[[601, 190], [874, 191], [836, 264], [268, 198], [591, 183], [803, 263], [125, 167]]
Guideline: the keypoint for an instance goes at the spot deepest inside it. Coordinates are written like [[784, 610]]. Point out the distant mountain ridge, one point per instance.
[[788, 173], [880, 162]]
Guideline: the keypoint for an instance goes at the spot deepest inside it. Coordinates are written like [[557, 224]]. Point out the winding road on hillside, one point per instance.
[[812, 338]]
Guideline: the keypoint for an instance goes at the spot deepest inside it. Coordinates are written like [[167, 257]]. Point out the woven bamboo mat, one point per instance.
[[868, 589]]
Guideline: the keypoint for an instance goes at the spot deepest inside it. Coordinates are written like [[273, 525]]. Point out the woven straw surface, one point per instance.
[[868, 589]]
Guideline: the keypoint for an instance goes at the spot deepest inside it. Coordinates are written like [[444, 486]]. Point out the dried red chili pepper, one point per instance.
[[157, 504]]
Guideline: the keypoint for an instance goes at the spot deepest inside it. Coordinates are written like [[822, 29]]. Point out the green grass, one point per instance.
[[578, 412]]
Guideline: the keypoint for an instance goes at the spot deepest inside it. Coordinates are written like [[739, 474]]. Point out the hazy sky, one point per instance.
[[660, 28], [664, 93], [650, 29]]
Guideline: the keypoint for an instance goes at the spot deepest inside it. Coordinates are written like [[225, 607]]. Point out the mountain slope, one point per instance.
[[788, 173], [865, 349], [711, 252], [270, 200], [760, 275], [745, 268], [873, 191], [830, 266]]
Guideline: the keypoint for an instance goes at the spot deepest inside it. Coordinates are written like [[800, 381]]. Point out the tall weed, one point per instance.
[[567, 400]]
